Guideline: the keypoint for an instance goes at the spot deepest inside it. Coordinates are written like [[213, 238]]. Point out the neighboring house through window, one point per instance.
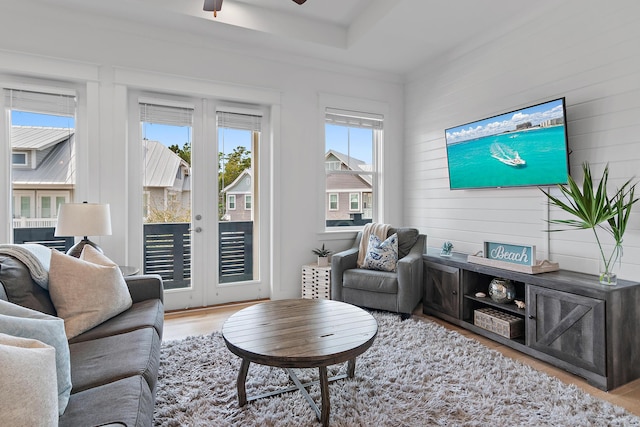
[[352, 141], [43, 157]]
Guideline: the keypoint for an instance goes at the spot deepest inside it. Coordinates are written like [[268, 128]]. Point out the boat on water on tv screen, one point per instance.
[[525, 147]]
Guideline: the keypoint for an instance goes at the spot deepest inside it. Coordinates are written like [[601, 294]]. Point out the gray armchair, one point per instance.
[[398, 291]]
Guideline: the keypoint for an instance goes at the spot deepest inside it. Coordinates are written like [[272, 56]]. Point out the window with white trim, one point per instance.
[[352, 141], [231, 202], [19, 159], [247, 202], [354, 202], [333, 201], [43, 159]]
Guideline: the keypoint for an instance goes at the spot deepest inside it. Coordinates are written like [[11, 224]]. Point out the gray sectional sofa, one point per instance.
[[114, 366]]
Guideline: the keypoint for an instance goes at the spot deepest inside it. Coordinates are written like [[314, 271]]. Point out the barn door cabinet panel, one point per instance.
[[442, 290], [569, 319], [567, 326]]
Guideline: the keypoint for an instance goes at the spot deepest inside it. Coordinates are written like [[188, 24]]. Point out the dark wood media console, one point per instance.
[[570, 320]]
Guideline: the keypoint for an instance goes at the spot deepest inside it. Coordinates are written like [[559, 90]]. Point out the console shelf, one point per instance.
[[570, 320], [509, 308]]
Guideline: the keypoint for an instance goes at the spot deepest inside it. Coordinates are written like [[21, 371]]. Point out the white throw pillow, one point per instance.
[[86, 291], [28, 385], [382, 255], [23, 322]]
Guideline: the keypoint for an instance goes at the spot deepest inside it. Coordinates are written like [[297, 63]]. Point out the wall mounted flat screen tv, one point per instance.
[[525, 147]]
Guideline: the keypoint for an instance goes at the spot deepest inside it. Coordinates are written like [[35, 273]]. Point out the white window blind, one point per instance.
[[353, 119], [166, 115], [239, 121], [40, 102]]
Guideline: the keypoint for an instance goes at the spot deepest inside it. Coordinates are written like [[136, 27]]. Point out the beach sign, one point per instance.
[[511, 253]]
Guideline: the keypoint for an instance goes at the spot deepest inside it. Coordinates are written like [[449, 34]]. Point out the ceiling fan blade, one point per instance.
[[299, 1]]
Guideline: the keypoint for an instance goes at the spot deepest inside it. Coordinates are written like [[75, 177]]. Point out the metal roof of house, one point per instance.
[[58, 165], [57, 168], [37, 137], [160, 164]]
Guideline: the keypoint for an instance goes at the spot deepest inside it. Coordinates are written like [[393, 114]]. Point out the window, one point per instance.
[[333, 165], [352, 141], [231, 202], [354, 201], [23, 204], [43, 157], [333, 201], [247, 202], [19, 159]]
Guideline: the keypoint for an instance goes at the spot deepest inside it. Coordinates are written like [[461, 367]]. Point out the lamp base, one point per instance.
[[76, 249]]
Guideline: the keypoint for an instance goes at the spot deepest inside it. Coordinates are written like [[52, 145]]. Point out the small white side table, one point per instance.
[[316, 281]]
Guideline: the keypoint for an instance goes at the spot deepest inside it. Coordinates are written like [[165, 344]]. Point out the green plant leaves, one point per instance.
[[595, 210], [591, 208]]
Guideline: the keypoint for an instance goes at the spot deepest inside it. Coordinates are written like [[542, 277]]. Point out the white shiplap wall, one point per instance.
[[586, 51]]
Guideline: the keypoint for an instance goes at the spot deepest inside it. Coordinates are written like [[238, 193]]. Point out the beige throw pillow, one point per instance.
[[86, 291], [28, 384]]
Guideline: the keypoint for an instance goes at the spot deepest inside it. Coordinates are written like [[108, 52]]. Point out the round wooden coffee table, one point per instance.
[[303, 333]]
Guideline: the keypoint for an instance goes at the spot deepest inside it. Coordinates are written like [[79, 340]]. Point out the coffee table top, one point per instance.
[[300, 333]]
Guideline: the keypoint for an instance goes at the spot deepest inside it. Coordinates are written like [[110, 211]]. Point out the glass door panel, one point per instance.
[[166, 157], [235, 208]]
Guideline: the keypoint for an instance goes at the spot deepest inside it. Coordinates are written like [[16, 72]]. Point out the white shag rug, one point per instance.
[[417, 373]]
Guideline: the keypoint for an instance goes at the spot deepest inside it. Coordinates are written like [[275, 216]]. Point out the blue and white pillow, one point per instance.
[[381, 255]]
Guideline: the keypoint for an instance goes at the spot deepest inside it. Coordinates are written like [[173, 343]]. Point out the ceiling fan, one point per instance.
[[216, 5]]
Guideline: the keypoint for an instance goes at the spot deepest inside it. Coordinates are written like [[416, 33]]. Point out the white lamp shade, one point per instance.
[[84, 219]]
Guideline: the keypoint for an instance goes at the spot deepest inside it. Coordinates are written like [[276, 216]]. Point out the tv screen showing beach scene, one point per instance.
[[525, 147]]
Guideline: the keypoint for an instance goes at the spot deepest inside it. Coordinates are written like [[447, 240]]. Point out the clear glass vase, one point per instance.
[[607, 275]]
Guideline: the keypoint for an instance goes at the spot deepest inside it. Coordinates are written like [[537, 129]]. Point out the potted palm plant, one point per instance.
[[323, 256], [597, 211]]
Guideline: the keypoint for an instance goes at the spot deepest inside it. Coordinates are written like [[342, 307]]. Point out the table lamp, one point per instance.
[[83, 219]]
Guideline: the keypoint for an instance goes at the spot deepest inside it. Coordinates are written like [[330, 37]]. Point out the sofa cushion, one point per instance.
[[20, 287], [26, 323], [381, 255], [144, 314], [28, 384], [87, 292], [371, 280], [407, 238], [128, 402], [104, 360]]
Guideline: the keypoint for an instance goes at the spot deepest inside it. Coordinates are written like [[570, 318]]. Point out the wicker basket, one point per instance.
[[499, 322]]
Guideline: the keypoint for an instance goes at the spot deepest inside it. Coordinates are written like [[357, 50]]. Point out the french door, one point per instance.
[[201, 200]]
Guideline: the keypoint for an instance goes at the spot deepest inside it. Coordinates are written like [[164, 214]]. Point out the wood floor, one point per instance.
[[204, 321]]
